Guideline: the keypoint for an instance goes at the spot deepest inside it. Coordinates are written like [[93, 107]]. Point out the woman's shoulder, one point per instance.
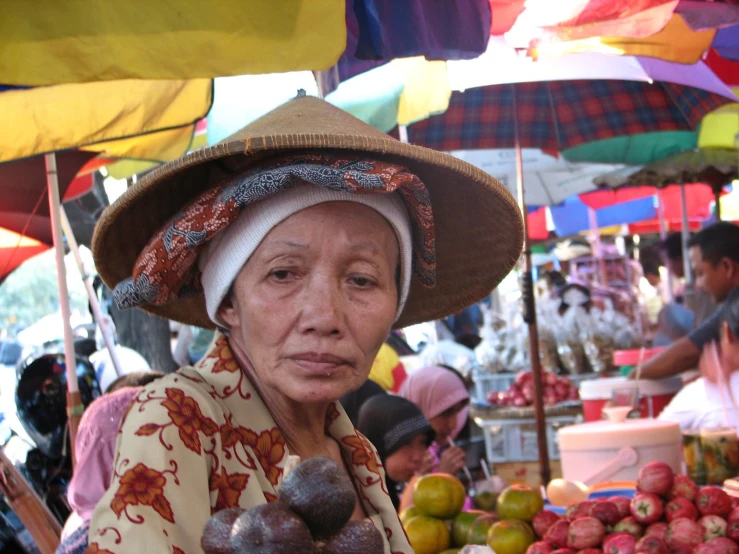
[[182, 394], [185, 379]]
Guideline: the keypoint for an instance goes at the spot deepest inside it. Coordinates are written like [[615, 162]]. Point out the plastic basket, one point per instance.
[[515, 440], [485, 383]]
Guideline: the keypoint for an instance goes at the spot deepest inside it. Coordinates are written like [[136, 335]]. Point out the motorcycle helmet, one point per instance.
[[41, 398]]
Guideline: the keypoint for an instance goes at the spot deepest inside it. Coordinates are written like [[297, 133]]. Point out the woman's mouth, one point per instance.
[[315, 363]]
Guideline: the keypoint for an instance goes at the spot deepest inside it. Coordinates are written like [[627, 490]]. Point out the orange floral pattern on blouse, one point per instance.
[[142, 486], [229, 488], [225, 360], [186, 415], [363, 454], [270, 449]]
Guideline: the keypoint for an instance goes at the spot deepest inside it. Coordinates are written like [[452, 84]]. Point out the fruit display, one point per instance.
[[557, 389], [668, 514], [436, 523], [301, 520]]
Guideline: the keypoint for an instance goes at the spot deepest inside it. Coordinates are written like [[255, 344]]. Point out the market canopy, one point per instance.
[[97, 40], [105, 114]]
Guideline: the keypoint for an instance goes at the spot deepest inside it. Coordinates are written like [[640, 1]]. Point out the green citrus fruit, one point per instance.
[[519, 502], [409, 513], [428, 535], [461, 526], [485, 500], [479, 529], [439, 495], [510, 536]]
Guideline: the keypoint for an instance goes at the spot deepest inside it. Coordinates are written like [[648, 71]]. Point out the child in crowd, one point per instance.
[[401, 435]]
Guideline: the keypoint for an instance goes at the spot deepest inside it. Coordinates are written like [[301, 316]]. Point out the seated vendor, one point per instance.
[[700, 403], [714, 256]]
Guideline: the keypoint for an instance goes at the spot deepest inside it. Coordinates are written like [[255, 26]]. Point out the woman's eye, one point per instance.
[[281, 274], [363, 282]]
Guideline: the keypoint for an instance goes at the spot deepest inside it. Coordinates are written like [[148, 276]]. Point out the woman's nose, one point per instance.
[[321, 312]]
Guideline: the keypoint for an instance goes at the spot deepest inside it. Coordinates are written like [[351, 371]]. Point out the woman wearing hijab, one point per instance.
[[443, 398], [304, 239], [401, 435]]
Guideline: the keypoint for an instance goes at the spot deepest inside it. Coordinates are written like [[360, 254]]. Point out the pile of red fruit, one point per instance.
[[521, 393], [668, 514]]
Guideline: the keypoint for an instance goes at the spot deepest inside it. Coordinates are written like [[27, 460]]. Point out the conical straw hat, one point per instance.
[[478, 226]]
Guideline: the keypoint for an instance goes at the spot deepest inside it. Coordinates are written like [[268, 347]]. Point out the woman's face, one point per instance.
[[405, 462], [316, 300], [446, 422]]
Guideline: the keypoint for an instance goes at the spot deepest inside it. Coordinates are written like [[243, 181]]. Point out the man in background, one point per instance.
[[701, 303], [714, 257]]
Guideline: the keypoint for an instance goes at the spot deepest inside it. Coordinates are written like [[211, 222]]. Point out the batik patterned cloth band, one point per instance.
[[167, 267]]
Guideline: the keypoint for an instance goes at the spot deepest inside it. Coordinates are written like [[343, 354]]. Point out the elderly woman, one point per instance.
[[304, 239]]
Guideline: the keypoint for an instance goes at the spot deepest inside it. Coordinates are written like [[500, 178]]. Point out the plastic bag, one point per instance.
[[569, 344], [548, 354], [598, 343]]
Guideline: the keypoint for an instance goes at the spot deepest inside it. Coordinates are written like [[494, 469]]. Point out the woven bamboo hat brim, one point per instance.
[[479, 229]]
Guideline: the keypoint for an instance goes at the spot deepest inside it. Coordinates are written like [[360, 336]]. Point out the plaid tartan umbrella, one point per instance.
[[535, 106], [556, 115]]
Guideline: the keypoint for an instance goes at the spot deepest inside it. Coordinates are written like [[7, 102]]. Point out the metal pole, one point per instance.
[[94, 304], [663, 236], [597, 248], [689, 285], [74, 401], [529, 314]]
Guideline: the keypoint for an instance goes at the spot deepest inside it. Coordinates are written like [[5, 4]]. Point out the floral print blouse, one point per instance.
[[201, 440]]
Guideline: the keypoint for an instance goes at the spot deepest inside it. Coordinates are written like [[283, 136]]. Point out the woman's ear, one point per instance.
[[227, 311]]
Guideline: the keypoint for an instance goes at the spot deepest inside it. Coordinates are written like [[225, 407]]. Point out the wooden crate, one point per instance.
[[526, 473]]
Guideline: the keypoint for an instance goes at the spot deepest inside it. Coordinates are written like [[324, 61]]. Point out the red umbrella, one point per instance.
[[16, 249], [24, 205]]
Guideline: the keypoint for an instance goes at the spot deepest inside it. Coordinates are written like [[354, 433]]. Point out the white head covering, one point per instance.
[[225, 255]]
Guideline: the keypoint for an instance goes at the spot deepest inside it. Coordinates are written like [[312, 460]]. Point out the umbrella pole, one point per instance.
[[74, 401], [529, 314], [663, 236], [686, 236], [595, 237], [94, 303], [689, 288]]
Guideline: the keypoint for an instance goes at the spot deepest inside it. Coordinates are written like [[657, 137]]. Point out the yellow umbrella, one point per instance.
[[427, 90], [160, 114], [139, 154], [720, 128], [677, 42], [400, 92], [98, 40]]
